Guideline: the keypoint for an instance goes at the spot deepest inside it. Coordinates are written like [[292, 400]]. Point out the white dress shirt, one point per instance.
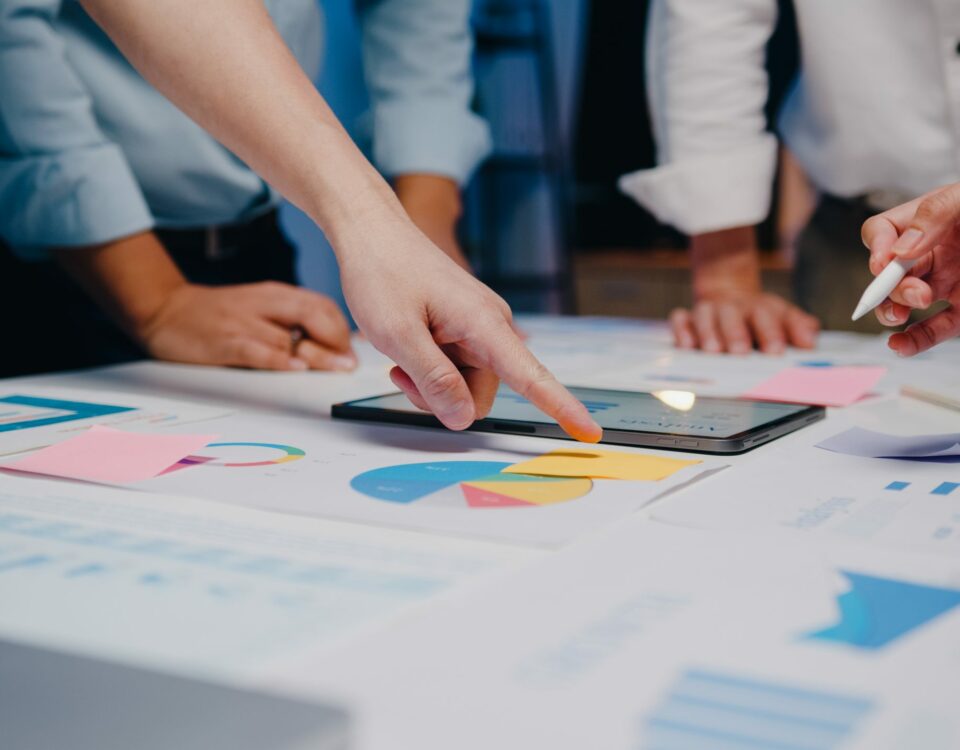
[[876, 108]]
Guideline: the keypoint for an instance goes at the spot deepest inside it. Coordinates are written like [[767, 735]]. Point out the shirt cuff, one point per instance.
[[84, 197], [429, 138], [710, 193]]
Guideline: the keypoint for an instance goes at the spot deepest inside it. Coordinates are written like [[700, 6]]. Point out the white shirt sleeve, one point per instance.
[[708, 88]]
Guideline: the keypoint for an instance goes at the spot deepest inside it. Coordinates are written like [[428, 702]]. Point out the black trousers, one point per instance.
[[832, 265], [47, 323]]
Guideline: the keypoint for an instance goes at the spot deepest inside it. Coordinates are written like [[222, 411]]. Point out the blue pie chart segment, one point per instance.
[[408, 483]]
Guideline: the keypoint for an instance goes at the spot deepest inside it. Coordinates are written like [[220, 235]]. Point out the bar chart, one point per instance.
[[716, 710]]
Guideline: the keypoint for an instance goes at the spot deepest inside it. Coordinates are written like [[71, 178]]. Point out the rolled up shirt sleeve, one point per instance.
[[62, 182], [417, 62], [708, 88]]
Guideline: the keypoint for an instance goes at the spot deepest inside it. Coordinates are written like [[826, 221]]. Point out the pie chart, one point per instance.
[[466, 484]]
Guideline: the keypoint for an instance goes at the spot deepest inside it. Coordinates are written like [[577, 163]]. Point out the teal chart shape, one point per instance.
[[25, 412], [408, 483], [875, 612]]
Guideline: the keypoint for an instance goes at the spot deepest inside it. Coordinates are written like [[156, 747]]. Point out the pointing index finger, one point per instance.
[[523, 372]]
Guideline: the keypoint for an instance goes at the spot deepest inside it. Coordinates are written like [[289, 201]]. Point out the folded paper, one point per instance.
[[860, 442]]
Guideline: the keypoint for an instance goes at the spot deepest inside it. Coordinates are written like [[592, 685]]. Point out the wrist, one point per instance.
[[346, 197], [725, 264]]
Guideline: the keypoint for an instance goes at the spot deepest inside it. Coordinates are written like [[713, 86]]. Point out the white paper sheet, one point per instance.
[[324, 467], [607, 644], [200, 588], [794, 486], [38, 416]]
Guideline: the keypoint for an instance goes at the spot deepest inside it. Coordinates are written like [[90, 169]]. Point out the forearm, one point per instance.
[[725, 262], [224, 64], [129, 278]]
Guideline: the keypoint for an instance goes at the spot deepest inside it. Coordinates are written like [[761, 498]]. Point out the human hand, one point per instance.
[[450, 335], [928, 229], [433, 204], [734, 323], [732, 313], [249, 326], [138, 285]]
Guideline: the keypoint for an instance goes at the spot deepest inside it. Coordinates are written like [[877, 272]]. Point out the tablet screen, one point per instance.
[[667, 412]]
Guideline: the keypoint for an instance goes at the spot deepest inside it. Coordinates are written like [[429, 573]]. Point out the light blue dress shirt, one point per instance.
[[90, 152]]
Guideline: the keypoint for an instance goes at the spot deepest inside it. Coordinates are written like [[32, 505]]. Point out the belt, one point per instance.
[[221, 241]]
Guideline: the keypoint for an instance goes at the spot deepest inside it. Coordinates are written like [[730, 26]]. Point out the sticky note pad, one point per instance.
[[103, 454], [597, 464], [821, 386]]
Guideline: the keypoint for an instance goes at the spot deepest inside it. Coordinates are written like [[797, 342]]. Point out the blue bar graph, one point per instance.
[[944, 488], [710, 709], [276, 568]]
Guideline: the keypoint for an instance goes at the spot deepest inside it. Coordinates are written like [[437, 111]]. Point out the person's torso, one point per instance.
[[877, 106], [187, 177]]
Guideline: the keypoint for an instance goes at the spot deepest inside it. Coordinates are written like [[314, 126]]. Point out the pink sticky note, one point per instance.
[[823, 386], [103, 454]]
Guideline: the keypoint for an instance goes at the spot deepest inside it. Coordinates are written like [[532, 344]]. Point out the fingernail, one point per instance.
[[344, 362], [890, 316], [298, 364], [913, 298], [908, 240], [899, 344], [460, 413]]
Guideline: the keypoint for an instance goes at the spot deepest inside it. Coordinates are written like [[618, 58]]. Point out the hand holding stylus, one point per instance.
[[922, 236]]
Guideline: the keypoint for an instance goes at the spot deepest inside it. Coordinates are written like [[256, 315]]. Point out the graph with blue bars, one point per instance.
[[162, 561], [943, 489], [713, 710]]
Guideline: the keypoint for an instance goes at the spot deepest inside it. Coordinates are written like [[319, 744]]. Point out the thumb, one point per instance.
[[439, 383], [936, 218]]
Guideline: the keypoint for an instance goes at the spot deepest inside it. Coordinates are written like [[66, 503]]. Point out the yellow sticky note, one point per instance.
[[596, 464]]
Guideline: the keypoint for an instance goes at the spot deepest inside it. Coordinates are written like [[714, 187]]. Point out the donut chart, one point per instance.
[[250, 454], [466, 484]]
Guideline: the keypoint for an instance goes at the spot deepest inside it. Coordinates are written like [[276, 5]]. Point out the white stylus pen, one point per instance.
[[881, 286]]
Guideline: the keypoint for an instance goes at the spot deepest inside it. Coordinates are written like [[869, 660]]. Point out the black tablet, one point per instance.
[[664, 419]]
